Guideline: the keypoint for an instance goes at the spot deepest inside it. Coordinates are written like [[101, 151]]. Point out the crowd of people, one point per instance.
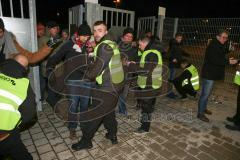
[[99, 85]]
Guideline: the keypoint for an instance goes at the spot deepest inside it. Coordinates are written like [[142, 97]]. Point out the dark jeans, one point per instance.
[[79, 103], [207, 86], [147, 106], [14, 147], [122, 100]]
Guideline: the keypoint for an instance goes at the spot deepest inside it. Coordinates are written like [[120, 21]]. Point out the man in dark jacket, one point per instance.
[[14, 71], [129, 52], [213, 69], [176, 54], [150, 80], [77, 46], [107, 71]]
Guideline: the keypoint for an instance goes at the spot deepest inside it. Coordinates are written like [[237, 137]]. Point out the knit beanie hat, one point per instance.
[[128, 30], [84, 29], [1, 24]]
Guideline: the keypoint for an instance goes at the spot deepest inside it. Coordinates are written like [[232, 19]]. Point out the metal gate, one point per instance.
[[19, 17], [76, 17], [146, 23]]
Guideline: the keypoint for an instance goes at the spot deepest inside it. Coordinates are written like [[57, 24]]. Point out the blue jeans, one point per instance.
[[79, 103], [207, 86], [122, 100]]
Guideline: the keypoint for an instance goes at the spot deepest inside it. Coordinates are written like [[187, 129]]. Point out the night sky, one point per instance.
[[48, 9]]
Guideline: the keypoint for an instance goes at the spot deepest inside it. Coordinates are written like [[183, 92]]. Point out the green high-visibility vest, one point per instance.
[[194, 79], [12, 94], [156, 74], [237, 78], [115, 64]]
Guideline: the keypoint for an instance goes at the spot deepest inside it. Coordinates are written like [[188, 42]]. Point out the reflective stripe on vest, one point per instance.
[[115, 64], [237, 78], [13, 92], [194, 79], [156, 74]]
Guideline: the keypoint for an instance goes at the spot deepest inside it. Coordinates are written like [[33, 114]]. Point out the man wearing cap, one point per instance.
[[9, 47], [77, 46]]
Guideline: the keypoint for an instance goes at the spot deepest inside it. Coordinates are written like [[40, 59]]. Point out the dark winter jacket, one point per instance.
[[215, 61], [128, 51], [176, 52], [27, 109], [67, 52]]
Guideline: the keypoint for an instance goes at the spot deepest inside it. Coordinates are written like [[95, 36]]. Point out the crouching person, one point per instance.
[[187, 83]]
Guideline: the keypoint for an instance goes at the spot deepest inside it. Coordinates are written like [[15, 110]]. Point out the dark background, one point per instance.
[[48, 9]]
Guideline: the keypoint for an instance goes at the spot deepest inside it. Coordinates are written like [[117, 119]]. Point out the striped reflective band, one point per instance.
[[194, 78], [11, 96], [8, 107], [195, 83]]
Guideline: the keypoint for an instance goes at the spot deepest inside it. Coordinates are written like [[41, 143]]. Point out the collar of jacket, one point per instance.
[[13, 69]]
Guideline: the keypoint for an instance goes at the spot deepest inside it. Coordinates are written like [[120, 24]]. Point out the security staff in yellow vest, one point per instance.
[[107, 71], [236, 118], [150, 78], [188, 81], [17, 106]]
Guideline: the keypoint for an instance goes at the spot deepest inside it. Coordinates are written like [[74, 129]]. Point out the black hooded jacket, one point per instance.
[[215, 61], [27, 109]]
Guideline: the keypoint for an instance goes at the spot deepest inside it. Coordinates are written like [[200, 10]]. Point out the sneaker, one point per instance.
[[230, 119], [202, 117], [112, 138], [82, 145], [72, 134], [233, 127], [140, 131], [208, 112]]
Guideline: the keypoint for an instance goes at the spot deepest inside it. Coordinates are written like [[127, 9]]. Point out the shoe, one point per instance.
[[233, 127], [171, 95], [202, 117], [112, 138], [140, 131], [72, 134], [208, 112], [82, 145], [230, 119]]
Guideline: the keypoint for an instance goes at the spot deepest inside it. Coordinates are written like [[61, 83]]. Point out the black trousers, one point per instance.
[[237, 115], [184, 90], [13, 146], [109, 121], [147, 106]]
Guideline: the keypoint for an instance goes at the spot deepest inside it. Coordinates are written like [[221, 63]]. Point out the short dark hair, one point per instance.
[[178, 35], [97, 23], [144, 38], [221, 31], [184, 61]]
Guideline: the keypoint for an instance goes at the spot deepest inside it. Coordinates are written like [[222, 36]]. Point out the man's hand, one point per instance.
[[174, 60], [52, 42], [233, 61]]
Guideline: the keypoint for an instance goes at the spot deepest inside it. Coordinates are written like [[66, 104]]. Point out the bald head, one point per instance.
[[21, 60]]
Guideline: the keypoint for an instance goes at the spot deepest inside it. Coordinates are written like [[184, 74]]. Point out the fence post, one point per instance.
[[93, 13], [161, 17], [34, 70], [175, 27], [132, 16]]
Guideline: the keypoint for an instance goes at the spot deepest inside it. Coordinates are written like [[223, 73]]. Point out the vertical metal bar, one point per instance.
[[35, 70], [153, 25], [175, 27], [127, 24], [117, 19], [111, 19], [132, 19], [1, 14], [122, 20], [70, 19], [21, 5], [11, 7], [107, 17]]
